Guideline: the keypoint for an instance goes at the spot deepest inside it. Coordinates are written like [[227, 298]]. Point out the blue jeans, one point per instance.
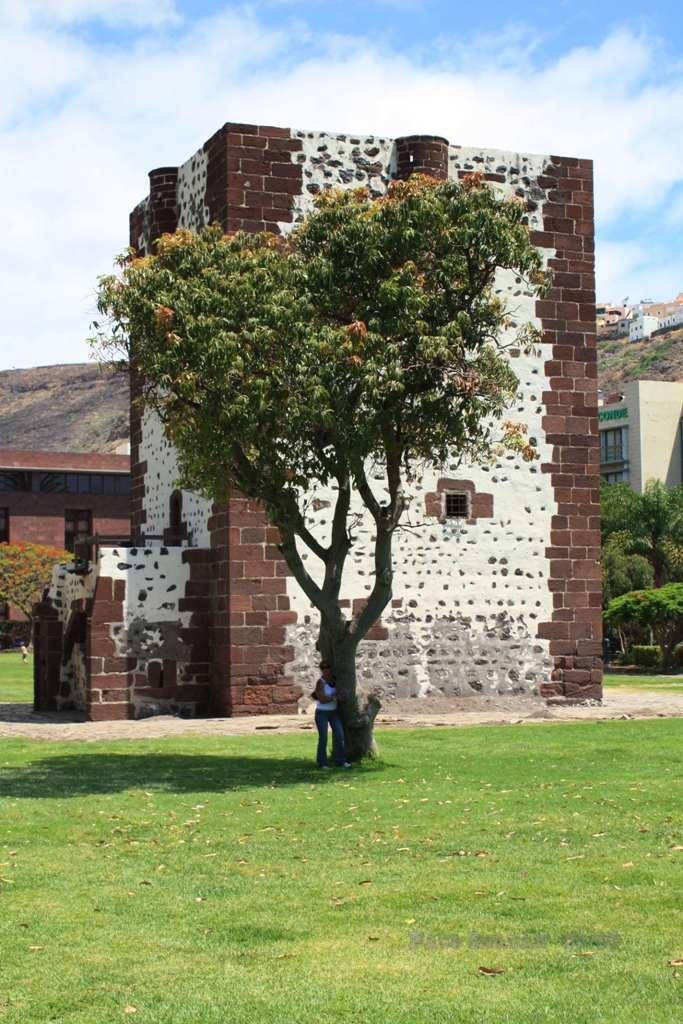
[[322, 720]]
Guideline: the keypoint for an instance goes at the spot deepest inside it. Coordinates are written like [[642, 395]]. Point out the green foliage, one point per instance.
[[622, 573], [659, 610], [649, 525], [374, 326], [645, 655]]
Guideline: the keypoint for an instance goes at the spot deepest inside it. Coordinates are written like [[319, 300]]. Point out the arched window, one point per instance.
[[175, 512], [176, 531]]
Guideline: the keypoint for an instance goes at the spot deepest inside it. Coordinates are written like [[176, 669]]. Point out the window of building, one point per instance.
[[85, 483], [622, 476], [15, 480], [457, 506], [77, 526], [614, 445], [4, 526]]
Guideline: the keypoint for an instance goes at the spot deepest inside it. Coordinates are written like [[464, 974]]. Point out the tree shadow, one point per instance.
[[89, 774], [24, 713]]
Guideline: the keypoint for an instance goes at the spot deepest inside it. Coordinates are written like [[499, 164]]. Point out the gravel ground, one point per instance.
[[19, 719]]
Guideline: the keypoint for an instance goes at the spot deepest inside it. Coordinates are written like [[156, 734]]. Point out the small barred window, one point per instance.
[[457, 506]]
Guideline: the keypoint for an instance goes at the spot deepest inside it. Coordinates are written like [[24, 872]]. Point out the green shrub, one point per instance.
[[646, 655]]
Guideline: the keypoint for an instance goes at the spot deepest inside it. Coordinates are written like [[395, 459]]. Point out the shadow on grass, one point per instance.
[[94, 773]]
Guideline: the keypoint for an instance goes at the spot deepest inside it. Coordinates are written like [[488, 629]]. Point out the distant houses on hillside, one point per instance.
[[636, 322]]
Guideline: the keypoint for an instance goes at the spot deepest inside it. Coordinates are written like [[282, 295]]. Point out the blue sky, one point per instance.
[[96, 92]]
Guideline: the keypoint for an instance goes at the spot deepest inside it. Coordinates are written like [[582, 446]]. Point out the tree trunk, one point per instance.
[[358, 721]]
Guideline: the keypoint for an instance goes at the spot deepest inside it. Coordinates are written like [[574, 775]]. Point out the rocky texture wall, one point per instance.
[[148, 645], [67, 594]]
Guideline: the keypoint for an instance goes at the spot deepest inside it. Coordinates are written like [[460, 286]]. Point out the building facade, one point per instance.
[[640, 434], [497, 590], [59, 498]]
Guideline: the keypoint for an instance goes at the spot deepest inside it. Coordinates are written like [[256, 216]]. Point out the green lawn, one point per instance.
[[16, 680], [214, 880], [644, 682]]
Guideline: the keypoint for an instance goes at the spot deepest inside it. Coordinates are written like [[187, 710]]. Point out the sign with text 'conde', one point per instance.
[[612, 414]]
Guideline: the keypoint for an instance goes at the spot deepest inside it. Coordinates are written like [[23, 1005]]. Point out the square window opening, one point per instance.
[[457, 506]]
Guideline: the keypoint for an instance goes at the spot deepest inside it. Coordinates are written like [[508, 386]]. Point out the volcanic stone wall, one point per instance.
[[507, 600]]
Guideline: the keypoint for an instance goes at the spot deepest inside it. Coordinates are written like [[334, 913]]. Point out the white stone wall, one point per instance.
[[470, 603], [340, 161], [160, 483], [66, 587], [192, 213]]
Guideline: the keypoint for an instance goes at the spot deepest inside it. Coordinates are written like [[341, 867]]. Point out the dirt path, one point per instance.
[[18, 720]]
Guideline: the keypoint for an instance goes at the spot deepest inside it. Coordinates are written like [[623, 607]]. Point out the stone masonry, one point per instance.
[[505, 599]]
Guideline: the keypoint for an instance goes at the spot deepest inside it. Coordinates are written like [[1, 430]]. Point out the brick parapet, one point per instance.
[[567, 315]]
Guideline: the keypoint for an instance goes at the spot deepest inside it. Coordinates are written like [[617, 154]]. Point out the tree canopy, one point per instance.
[[372, 336], [25, 570], [659, 610]]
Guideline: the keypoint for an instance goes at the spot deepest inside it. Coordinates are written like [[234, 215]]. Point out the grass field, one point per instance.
[[207, 880], [666, 684], [16, 680]]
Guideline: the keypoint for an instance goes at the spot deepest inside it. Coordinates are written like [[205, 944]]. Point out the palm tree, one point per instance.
[[648, 524]]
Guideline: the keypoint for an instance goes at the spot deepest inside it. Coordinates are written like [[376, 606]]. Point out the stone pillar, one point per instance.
[[422, 154], [567, 314], [47, 648], [110, 676]]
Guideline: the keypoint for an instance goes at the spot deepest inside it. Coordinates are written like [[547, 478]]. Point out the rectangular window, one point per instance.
[[4, 526], [615, 478], [614, 445], [457, 506], [77, 526], [15, 480], [123, 485]]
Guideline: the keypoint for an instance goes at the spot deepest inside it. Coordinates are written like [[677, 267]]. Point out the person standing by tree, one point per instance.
[[326, 715]]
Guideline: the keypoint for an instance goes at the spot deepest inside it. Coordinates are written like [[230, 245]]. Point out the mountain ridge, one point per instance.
[[79, 407]]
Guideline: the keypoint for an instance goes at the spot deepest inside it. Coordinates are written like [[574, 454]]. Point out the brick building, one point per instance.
[[58, 498], [497, 591]]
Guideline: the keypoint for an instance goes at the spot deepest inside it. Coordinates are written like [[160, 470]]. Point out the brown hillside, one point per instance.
[[659, 358], [76, 407]]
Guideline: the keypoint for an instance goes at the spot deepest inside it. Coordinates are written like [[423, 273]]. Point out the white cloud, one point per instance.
[[111, 12], [81, 126]]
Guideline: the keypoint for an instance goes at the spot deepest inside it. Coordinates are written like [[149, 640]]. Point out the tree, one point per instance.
[[369, 341], [25, 570], [622, 573], [659, 610], [648, 524]]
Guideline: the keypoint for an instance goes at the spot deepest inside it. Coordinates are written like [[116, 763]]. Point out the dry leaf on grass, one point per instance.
[[491, 970], [675, 963], [130, 1009]]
